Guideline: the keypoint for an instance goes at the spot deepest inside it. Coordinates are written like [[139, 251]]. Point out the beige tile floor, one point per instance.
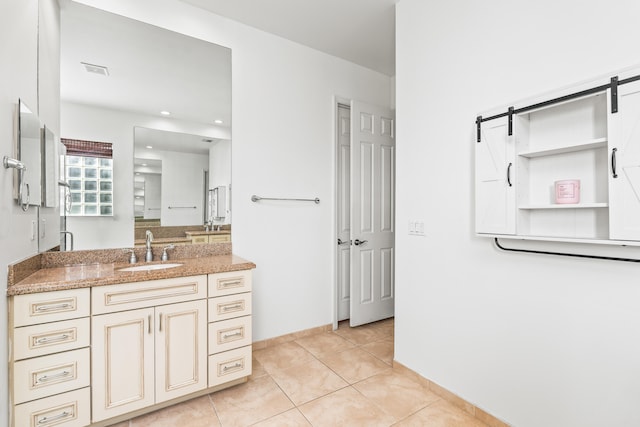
[[340, 378]]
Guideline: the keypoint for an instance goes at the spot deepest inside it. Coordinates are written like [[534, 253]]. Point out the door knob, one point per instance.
[[359, 242], [341, 242]]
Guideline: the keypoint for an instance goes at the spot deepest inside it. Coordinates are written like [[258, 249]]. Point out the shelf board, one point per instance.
[[596, 143], [566, 206]]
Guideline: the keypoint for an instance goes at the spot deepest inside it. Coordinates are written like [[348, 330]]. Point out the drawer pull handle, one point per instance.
[[47, 420], [226, 284], [232, 307], [54, 307], [235, 334], [149, 327], [237, 365], [47, 340], [45, 378]]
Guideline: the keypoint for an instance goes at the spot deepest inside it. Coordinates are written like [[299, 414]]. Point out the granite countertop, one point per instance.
[[203, 232], [100, 274], [163, 241]]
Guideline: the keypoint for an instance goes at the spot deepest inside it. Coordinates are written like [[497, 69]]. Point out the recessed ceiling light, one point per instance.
[[218, 122], [149, 147], [165, 113], [95, 69]]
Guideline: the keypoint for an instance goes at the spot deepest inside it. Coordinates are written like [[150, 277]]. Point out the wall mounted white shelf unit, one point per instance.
[[591, 134]]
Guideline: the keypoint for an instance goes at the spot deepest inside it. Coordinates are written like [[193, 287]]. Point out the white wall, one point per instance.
[[152, 196], [49, 110], [19, 74], [183, 186], [535, 340], [283, 142]]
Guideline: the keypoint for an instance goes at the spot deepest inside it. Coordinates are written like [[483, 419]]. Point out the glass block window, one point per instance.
[[89, 172]]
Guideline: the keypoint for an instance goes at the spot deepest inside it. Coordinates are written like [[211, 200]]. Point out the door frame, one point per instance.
[[337, 101]]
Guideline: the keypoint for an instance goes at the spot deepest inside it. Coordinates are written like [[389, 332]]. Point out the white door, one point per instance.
[[344, 211], [495, 174], [624, 151], [122, 365], [181, 349], [372, 213]]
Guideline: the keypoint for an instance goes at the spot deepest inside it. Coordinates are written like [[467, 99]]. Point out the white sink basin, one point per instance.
[[150, 267]]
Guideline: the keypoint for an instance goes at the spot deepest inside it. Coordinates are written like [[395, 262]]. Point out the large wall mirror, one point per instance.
[[163, 100], [30, 154]]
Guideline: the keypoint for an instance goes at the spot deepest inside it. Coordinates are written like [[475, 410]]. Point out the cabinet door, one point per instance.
[[181, 349], [495, 177], [624, 149], [215, 238], [122, 362], [199, 239]]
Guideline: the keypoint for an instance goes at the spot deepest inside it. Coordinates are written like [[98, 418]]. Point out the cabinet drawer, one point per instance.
[[43, 307], [40, 340], [231, 282], [64, 410], [229, 334], [229, 306], [230, 365], [48, 375], [130, 296]]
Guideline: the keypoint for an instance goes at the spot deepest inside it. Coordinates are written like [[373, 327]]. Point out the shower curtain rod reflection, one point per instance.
[[255, 198]]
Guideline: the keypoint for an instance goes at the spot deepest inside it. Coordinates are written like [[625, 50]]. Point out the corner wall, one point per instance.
[[20, 23], [534, 340]]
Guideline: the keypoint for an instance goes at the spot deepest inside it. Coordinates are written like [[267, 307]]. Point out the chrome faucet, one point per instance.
[[149, 256], [132, 257], [165, 255]]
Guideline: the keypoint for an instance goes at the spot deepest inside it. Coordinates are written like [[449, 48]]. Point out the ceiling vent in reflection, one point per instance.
[[95, 69]]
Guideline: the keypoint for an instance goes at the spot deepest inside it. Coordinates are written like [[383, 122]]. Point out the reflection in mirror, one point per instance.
[[30, 154], [147, 189], [49, 173], [114, 85], [173, 173]]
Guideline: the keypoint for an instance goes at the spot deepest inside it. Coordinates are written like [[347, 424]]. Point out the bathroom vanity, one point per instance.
[[95, 344]]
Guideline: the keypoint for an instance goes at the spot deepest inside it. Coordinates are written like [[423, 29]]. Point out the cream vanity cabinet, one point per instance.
[[594, 138], [195, 240], [217, 238], [229, 333], [149, 343], [50, 359], [210, 238]]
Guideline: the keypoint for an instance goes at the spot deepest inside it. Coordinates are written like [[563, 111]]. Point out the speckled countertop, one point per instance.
[[41, 274], [163, 241], [203, 232]]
